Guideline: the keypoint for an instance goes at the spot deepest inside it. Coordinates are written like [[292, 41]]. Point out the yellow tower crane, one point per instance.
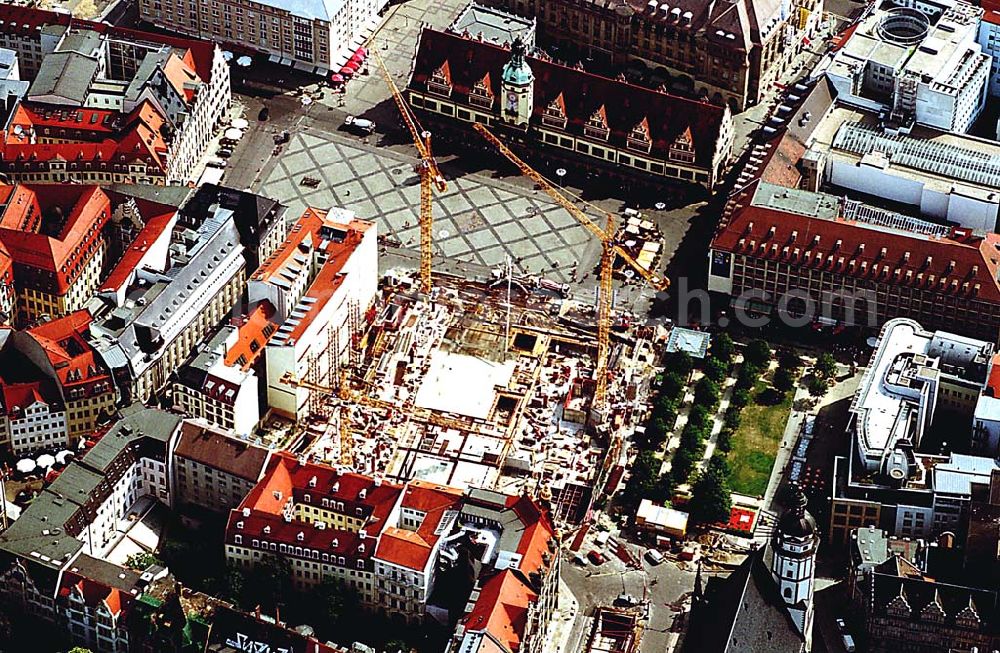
[[610, 249], [430, 176]]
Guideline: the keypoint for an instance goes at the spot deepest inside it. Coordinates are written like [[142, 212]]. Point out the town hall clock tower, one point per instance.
[[518, 99]]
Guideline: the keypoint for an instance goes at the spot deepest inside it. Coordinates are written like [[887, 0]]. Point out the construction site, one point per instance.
[[486, 385], [506, 383]]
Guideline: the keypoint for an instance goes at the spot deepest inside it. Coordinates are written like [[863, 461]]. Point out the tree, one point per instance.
[[817, 386], [789, 360], [396, 646], [699, 416], [680, 363], [268, 583], [747, 377], [665, 406], [739, 398], [642, 480], [142, 561], [682, 464], [723, 347], [783, 379], [672, 386], [715, 369], [732, 419], [710, 496], [706, 393], [79, 649], [724, 441], [826, 365], [758, 353], [655, 435]]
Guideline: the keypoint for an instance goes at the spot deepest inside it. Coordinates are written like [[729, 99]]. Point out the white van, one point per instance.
[[654, 557], [848, 643], [602, 538]]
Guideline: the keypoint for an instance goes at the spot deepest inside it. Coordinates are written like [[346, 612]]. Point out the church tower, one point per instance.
[[518, 88], [793, 562]]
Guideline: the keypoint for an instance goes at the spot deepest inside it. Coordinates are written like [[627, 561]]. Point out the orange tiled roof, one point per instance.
[[64, 253], [126, 265], [257, 328], [69, 351], [502, 608]]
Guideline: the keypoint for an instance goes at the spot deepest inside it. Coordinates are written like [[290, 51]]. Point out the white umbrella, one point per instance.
[[306, 101], [233, 134], [46, 460], [227, 55], [240, 123], [244, 61], [63, 456], [26, 466]]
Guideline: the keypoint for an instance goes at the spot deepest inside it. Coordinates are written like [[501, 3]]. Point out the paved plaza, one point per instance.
[[477, 220]]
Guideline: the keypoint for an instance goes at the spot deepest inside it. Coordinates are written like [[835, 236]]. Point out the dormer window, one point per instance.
[[481, 94], [639, 138], [555, 113], [440, 80], [682, 149], [597, 126]]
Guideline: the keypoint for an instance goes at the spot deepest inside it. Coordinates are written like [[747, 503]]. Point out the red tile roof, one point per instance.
[[256, 328], [65, 253], [962, 264], [502, 608], [18, 396], [155, 225], [412, 549], [582, 94], [993, 382], [330, 277], [71, 354]]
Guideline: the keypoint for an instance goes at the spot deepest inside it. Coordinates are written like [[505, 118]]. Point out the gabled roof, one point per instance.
[[743, 613], [583, 94]]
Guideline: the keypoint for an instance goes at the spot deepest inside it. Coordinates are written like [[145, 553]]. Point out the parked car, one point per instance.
[[580, 559], [283, 137], [596, 558], [654, 556], [848, 642], [215, 163], [225, 152], [841, 626], [360, 124]]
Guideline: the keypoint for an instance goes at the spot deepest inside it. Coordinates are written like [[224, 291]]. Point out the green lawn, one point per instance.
[[756, 442]]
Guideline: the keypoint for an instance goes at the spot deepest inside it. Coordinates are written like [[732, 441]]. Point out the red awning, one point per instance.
[[349, 68], [362, 51], [336, 77], [357, 57]]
